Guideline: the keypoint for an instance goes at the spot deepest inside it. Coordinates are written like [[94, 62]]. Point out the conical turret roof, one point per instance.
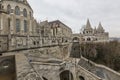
[[100, 28], [88, 25]]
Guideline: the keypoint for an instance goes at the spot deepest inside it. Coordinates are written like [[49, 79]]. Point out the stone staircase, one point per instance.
[[101, 71], [24, 69]]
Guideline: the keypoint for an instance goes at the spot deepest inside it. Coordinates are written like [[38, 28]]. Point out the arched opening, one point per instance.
[[17, 10], [75, 39], [88, 39], [66, 75], [44, 78], [75, 48], [24, 12], [8, 9], [81, 78]]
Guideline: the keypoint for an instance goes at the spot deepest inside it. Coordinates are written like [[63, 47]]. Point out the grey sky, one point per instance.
[[74, 13]]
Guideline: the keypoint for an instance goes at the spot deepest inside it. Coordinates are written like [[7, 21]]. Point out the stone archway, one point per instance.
[[75, 39], [81, 78], [66, 75], [88, 39], [44, 78], [75, 50]]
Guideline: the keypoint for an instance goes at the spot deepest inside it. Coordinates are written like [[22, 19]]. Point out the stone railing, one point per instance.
[[99, 70], [86, 74]]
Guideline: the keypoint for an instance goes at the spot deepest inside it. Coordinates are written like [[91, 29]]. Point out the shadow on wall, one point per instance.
[[81, 78], [66, 75], [7, 68], [75, 50]]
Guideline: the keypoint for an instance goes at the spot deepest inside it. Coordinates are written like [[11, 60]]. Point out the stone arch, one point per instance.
[[88, 39], [75, 50], [44, 78], [8, 9], [75, 39], [17, 10], [24, 12], [81, 78], [66, 75]]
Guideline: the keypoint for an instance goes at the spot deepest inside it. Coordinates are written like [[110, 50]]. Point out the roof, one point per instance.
[[100, 28], [59, 22], [88, 25]]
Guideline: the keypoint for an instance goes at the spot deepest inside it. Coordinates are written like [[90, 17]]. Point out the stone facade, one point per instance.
[[19, 30], [48, 47], [88, 34], [17, 23]]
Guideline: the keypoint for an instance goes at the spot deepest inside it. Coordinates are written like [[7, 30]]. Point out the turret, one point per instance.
[[88, 25], [87, 30], [100, 28], [95, 30]]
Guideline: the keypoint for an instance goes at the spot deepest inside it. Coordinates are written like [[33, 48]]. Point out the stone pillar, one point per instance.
[[22, 24], [1, 22], [12, 24], [30, 27]]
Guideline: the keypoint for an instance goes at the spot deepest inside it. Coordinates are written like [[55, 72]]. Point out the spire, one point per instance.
[[100, 28], [88, 25], [95, 30]]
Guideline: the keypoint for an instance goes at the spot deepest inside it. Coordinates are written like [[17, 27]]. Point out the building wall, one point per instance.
[[26, 37]]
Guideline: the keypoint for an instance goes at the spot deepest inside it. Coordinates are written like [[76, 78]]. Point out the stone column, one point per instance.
[[12, 23], [1, 22], [30, 27], [22, 25]]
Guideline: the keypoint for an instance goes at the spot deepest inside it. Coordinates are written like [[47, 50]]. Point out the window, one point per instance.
[[0, 6], [30, 14], [17, 25], [34, 42], [8, 9], [17, 10], [9, 23], [25, 13], [25, 26]]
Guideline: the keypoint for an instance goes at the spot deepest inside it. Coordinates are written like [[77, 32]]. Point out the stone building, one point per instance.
[[17, 24], [88, 34], [50, 55], [55, 33], [19, 30], [61, 33], [45, 33]]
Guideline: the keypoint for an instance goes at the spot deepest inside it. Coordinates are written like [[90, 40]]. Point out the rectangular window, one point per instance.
[[17, 25], [25, 26]]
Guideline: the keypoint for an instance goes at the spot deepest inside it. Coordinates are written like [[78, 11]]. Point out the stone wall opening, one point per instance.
[[44, 78], [81, 78], [75, 39], [66, 75], [75, 50], [7, 68]]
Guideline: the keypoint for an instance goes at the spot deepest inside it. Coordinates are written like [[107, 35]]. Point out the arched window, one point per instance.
[[25, 26], [17, 10], [25, 13], [88, 39], [17, 25], [8, 9]]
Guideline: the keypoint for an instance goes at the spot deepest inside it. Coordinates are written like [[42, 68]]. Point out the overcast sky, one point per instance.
[[75, 13]]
